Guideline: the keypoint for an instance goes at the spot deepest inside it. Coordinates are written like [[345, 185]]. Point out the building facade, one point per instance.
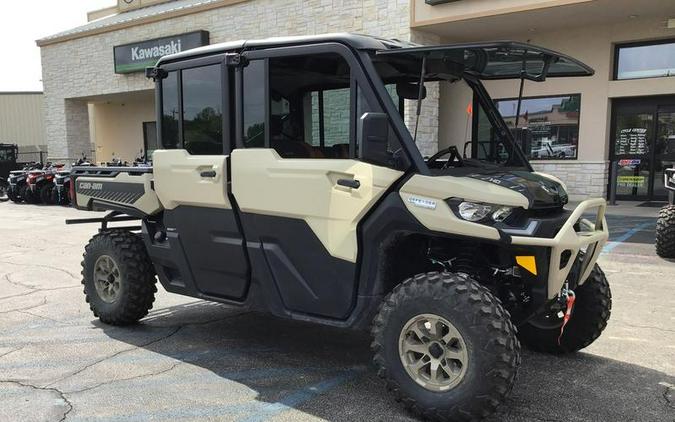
[[98, 102], [22, 123]]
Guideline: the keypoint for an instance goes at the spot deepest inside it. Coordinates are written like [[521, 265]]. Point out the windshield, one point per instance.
[[475, 134]]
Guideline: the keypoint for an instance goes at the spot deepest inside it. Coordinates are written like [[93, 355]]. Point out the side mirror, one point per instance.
[[373, 137]]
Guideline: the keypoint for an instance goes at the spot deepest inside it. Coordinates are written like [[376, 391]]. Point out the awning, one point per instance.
[[496, 60]]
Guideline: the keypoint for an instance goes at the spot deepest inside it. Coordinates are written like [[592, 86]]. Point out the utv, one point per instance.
[[665, 225], [8, 156], [287, 182]]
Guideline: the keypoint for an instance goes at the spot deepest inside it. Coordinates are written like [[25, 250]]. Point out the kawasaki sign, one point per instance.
[[135, 57]]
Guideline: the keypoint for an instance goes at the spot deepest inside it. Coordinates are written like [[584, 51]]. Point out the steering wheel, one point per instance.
[[454, 155]]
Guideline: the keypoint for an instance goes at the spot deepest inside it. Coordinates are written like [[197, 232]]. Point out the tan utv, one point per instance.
[[287, 182]]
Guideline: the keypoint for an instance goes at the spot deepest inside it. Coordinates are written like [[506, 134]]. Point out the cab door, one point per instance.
[[296, 178], [191, 181]]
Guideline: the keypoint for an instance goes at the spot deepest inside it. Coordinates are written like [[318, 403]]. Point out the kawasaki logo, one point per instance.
[[138, 53]]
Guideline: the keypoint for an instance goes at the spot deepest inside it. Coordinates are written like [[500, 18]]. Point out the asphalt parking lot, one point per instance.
[[193, 360]]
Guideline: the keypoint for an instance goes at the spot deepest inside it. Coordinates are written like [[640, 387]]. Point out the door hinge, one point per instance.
[[235, 60]]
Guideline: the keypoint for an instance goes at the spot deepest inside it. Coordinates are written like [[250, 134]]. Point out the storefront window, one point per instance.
[[548, 127], [645, 60]]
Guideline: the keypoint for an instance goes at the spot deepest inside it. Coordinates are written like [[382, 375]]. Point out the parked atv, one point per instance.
[[665, 225], [41, 183], [18, 185], [60, 193], [339, 220]]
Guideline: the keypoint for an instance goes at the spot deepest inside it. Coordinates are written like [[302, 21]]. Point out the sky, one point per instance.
[[23, 22]]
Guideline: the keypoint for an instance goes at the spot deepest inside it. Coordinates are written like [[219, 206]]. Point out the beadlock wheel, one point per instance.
[[107, 279], [433, 352]]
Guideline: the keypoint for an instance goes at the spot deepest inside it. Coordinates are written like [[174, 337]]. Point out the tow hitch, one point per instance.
[[567, 295]]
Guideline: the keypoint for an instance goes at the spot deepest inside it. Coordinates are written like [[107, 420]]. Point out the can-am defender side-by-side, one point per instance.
[[287, 182], [665, 225]]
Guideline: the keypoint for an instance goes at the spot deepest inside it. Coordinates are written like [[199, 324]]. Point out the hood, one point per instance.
[[541, 192]]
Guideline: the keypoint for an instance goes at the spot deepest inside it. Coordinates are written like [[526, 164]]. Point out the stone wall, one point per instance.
[[584, 179], [76, 70]]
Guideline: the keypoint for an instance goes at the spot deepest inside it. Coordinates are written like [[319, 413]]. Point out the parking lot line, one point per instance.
[[609, 247]]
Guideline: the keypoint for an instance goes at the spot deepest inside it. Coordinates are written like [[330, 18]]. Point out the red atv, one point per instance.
[[40, 184]]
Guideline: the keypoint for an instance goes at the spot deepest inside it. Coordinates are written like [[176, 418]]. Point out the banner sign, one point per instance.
[[135, 57], [631, 181]]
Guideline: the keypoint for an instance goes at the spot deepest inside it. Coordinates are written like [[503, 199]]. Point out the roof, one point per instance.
[[357, 41], [136, 17]]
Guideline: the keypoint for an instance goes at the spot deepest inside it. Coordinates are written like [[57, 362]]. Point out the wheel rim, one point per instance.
[[107, 279], [433, 352]]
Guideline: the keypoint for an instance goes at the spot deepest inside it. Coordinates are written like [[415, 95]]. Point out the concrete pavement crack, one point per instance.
[[649, 327], [33, 291], [11, 351], [175, 330], [69, 405], [49, 267], [150, 375], [84, 368], [44, 302]]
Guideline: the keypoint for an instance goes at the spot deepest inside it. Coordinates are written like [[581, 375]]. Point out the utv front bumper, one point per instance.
[[577, 234]]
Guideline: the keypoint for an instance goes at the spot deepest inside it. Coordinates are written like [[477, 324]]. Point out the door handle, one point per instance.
[[208, 173], [349, 183]]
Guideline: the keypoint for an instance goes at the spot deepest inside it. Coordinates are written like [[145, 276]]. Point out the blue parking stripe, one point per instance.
[[609, 247]]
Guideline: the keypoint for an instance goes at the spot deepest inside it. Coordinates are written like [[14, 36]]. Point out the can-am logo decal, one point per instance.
[[90, 186]]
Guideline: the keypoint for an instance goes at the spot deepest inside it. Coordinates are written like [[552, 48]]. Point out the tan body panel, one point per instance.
[[142, 198], [265, 183], [440, 217], [178, 179]]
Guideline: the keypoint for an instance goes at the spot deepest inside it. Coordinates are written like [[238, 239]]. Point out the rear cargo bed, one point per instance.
[[126, 189]]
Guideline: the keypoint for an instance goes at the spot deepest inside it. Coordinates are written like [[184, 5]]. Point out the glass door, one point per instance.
[[643, 144], [633, 131]]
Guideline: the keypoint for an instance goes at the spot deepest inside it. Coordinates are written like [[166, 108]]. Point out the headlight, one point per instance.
[[473, 211]]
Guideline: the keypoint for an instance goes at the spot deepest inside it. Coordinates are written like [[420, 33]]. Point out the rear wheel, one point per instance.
[[445, 347], [118, 277], [29, 196], [665, 232], [589, 318], [46, 193], [13, 195]]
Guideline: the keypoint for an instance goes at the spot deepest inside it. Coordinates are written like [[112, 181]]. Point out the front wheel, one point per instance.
[[589, 318], [118, 277], [665, 232], [445, 347]]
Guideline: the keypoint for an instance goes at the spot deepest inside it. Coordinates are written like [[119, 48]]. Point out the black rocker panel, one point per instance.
[[214, 248], [309, 279]]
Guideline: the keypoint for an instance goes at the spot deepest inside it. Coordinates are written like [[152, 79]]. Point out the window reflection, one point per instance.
[[202, 110], [548, 127]]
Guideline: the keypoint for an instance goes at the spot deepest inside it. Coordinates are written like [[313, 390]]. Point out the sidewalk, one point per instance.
[[626, 208]]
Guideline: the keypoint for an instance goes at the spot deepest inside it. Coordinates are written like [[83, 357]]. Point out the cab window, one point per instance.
[[202, 110], [192, 110], [310, 106], [170, 111]]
